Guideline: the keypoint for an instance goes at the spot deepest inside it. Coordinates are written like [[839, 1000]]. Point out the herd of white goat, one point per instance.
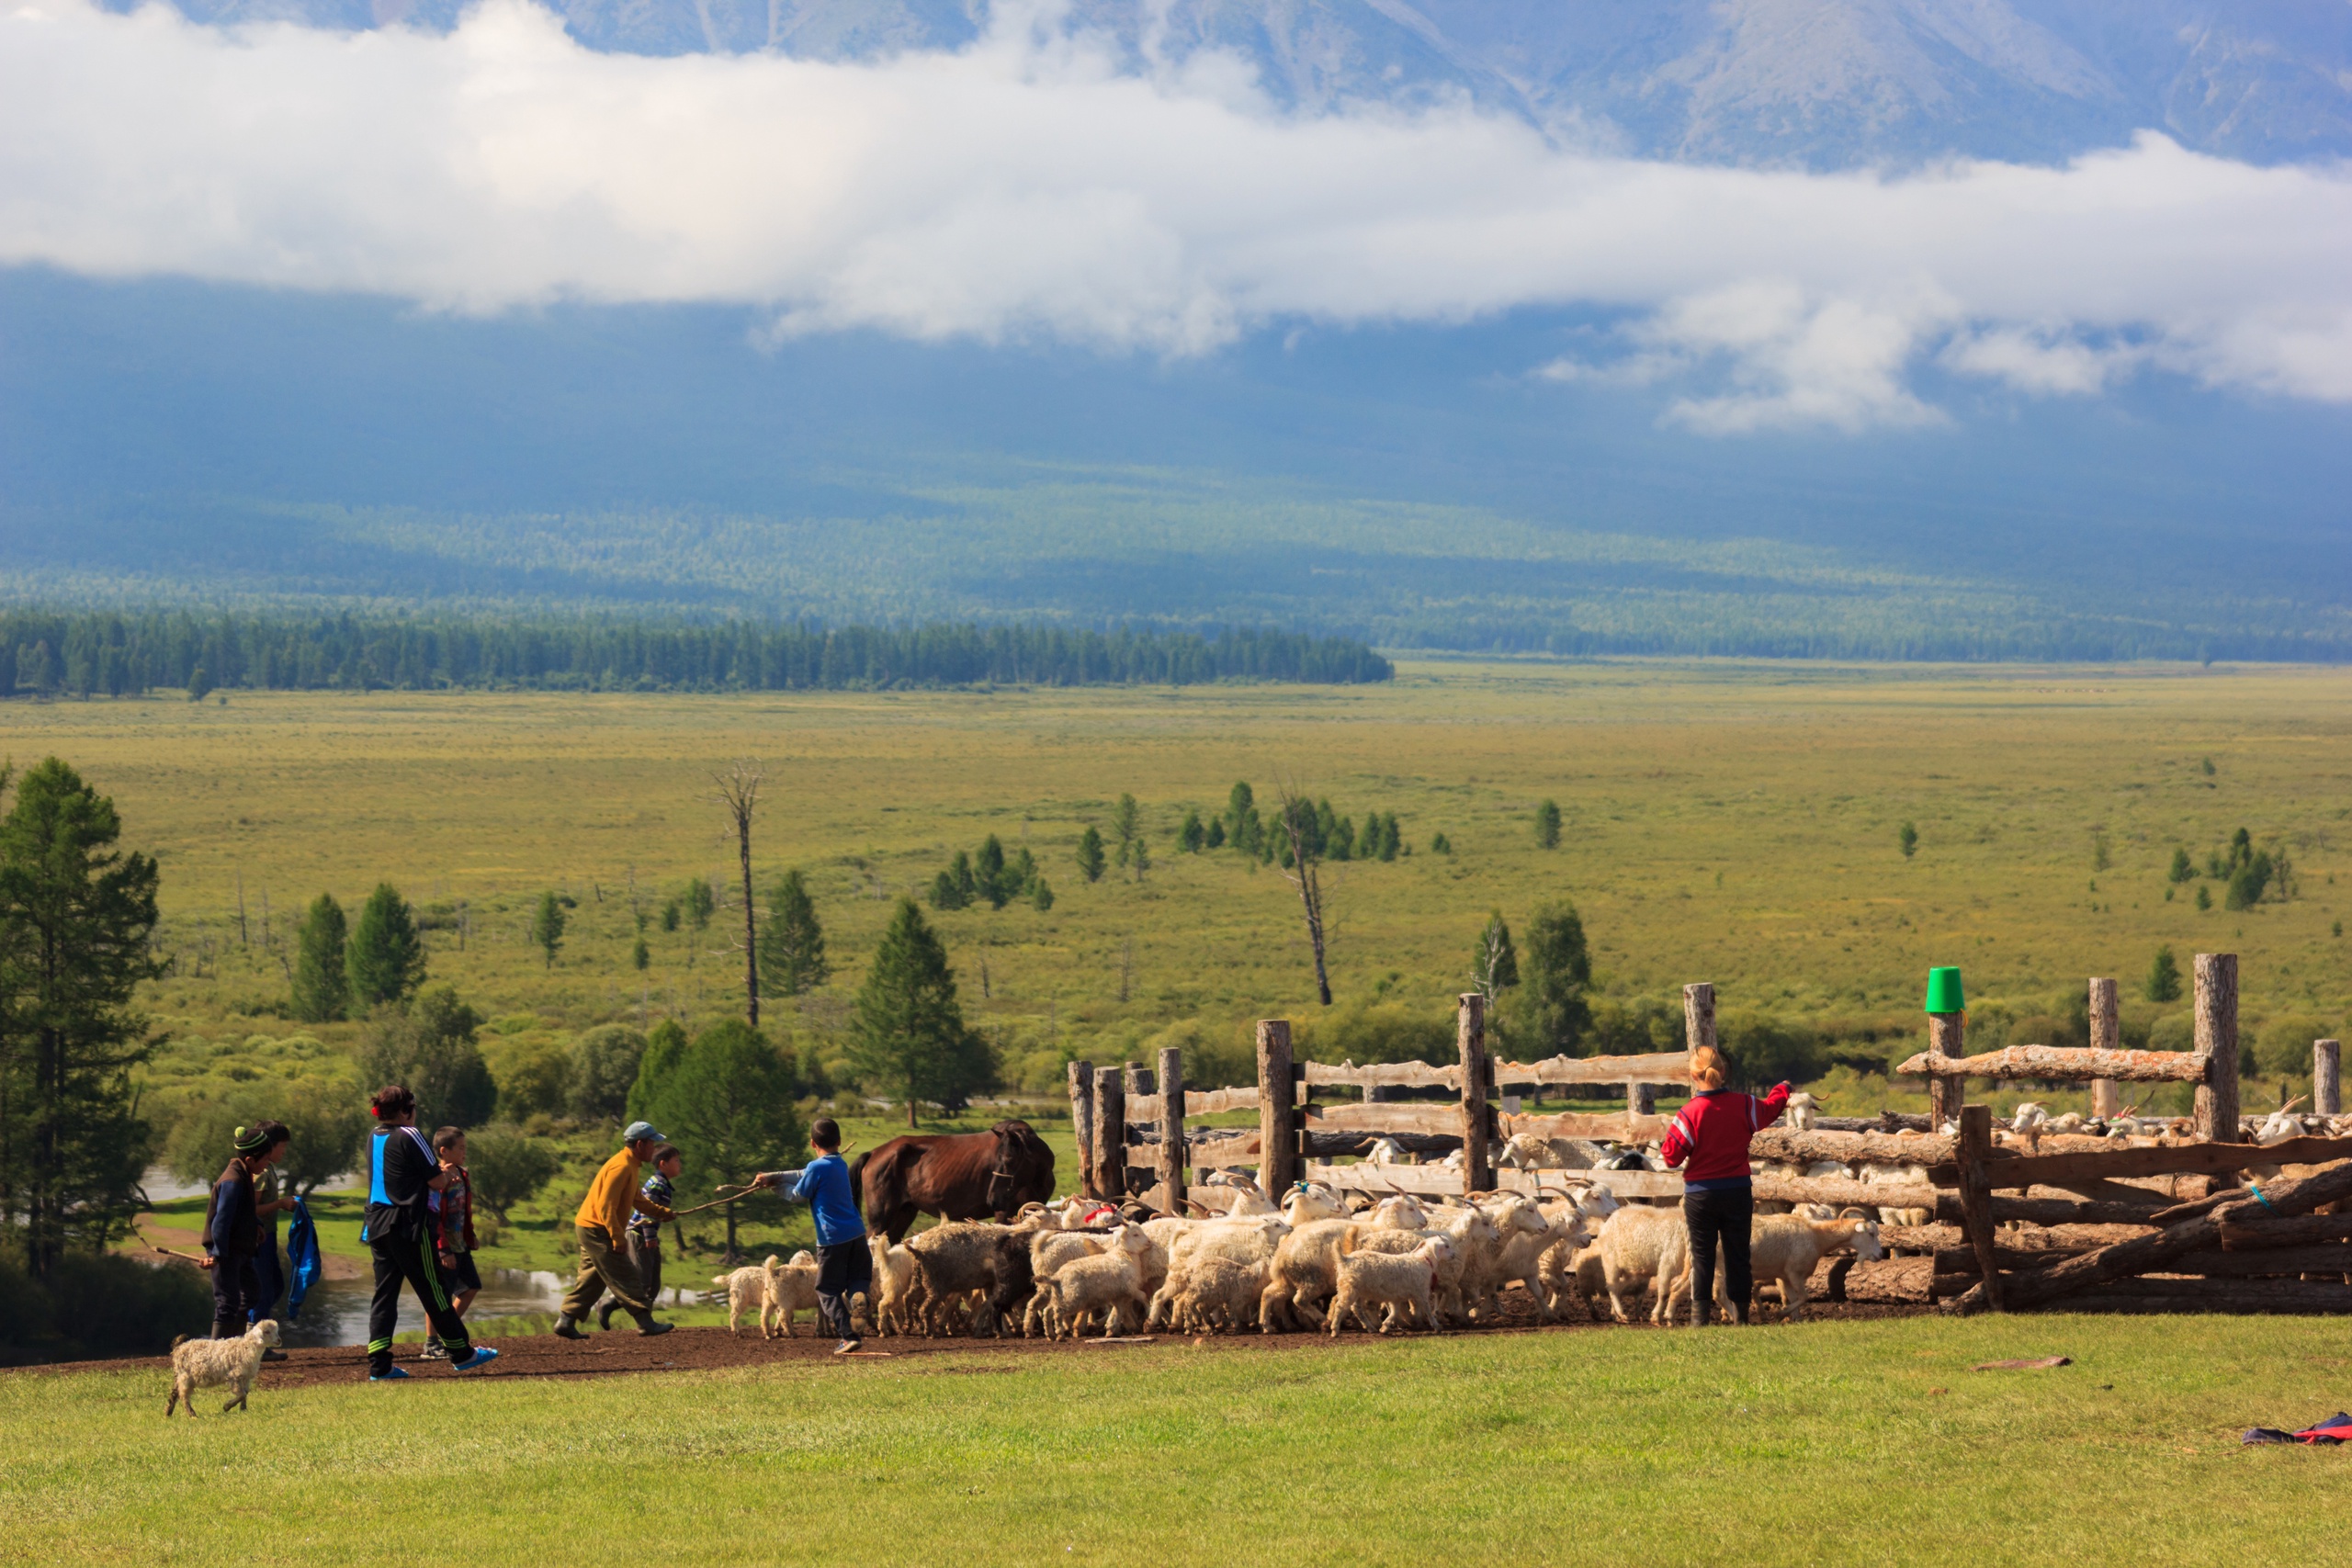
[[1322, 1259]]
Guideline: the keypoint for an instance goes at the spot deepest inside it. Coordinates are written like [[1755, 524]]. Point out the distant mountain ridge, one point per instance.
[[1825, 83]]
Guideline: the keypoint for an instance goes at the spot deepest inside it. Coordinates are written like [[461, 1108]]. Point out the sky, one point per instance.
[[1024, 192]]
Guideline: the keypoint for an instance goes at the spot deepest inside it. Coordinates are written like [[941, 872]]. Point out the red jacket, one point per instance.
[[1712, 1133]]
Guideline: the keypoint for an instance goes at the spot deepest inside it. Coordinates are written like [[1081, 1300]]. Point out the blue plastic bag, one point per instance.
[[302, 1256]]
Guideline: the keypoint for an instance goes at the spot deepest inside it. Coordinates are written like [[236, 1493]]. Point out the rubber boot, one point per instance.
[[647, 1326], [567, 1329], [604, 1315]]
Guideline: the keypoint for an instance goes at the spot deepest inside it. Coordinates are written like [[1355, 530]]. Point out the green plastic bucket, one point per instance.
[[1943, 992]]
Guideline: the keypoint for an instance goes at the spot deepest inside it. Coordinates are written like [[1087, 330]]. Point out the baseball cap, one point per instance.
[[638, 1131]]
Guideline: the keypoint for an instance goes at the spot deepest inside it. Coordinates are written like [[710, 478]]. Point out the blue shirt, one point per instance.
[[824, 1187]]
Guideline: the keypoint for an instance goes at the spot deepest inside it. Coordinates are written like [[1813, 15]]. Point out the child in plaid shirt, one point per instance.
[[453, 1230], [645, 1231]]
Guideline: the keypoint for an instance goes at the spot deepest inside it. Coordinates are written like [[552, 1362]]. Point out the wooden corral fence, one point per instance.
[[2210, 1222]]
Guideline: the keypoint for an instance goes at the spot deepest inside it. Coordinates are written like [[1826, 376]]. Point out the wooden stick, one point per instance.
[[2327, 1085], [1976, 1209], [1478, 1167], [2217, 1042], [1277, 1137], [2107, 1034]]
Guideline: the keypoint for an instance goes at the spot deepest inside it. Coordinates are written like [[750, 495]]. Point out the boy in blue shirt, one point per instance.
[[844, 1264]]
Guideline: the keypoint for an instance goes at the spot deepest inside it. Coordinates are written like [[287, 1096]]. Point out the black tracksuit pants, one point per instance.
[[1720, 1214], [844, 1269], [410, 1260]]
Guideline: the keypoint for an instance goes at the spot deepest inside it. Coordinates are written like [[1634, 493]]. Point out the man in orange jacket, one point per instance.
[[603, 1225]]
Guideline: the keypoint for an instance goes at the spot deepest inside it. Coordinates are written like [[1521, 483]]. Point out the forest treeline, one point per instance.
[[91, 653]]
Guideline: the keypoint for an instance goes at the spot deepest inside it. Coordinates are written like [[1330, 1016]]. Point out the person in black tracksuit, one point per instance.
[[401, 1172], [232, 1229]]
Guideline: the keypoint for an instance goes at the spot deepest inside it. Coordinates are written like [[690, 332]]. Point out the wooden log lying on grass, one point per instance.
[[2240, 1233], [2144, 1253], [2162, 1295]]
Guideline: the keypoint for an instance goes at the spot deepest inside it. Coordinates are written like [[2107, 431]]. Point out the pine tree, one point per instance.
[[1240, 810], [75, 917], [664, 1050], [386, 955], [988, 874], [908, 1031], [1907, 841], [1127, 826], [1192, 836], [792, 948], [1557, 971], [728, 1104], [1391, 840], [669, 916], [1216, 838], [1139, 853], [2164, 977], [701, 903], [1041, 897], [1342, 844], [1090, 854], [2182, 871], [321, 983], [967, 886], [1547, 826], [641, 955], [547, 926], [943, 895]]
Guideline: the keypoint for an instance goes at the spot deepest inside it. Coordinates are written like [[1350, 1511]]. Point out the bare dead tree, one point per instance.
[[738, 792], [1303, 875]]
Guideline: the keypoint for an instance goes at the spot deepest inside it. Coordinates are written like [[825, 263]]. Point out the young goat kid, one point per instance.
[[209, 1363]]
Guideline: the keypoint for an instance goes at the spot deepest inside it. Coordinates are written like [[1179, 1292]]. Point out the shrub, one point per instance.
[[1764, 1050], [603, 1068], [508, 1166]]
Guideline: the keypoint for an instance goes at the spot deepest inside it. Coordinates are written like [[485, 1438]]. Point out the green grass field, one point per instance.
[[1727, 821], [1846, 1443]]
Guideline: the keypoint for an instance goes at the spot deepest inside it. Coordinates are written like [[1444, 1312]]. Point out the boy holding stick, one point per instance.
[[844, 1264]]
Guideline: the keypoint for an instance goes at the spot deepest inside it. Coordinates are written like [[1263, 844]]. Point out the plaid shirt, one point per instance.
[[453, 1213], [644, 1229]]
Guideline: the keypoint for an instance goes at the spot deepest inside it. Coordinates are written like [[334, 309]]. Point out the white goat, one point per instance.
[[1782, 1247], [1110, 1284], [1629, 1250], [1369, 1280], [1303, 1274], [215, 1363], [1801, 1110], [890, 1302], [1386, 1151], [1219, 1296]]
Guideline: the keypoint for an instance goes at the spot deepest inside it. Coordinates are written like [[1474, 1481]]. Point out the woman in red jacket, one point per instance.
[[1718, 1201]]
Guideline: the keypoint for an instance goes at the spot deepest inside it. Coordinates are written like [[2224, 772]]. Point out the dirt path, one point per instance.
[[697, 1349]]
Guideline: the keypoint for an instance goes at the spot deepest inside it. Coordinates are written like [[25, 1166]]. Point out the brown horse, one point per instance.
[[953, 1176]]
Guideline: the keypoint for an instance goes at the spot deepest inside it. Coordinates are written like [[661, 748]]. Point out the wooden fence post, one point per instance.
[[1081, 1122], [1699, 1016], [2327, 1086], [2217, 1042], [1139, 1079], [2107, 1034], [1110, 1138], [1277, 1142], [1641, 1098], [1947, 1036], [1478, 1165], [1172, 1126], [1975, 1199]]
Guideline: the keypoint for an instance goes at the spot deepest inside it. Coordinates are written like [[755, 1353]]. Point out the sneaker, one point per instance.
[[848, 1347], [481, 1357], [649, 1327], [435, 1351], [567, 1329], [395, 1375]]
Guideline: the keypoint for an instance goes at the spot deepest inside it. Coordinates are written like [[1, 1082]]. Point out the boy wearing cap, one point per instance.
[[232, 1227], [603, 1228]]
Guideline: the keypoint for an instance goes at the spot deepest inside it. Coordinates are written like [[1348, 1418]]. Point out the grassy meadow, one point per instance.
[[1839, 1442], [1729, 821]]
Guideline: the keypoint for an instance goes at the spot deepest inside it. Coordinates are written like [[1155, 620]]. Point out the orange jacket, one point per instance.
[[613, 1196]]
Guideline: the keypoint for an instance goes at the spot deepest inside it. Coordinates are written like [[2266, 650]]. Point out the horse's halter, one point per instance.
[[1002, 1179]]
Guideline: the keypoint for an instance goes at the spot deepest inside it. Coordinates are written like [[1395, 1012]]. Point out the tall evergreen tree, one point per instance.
[[386, 956], [1127, 826], [2164, 977], [1557, 971], [1090, 854], [321, 983], [75, 917], [988, 875], [1547, 824], [547, 925], [728, 1105], [908, 1030], [664, 1048], [701, 903], [792, 949]]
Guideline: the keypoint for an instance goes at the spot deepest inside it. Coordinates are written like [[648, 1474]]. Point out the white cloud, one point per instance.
[[1023, 188]]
